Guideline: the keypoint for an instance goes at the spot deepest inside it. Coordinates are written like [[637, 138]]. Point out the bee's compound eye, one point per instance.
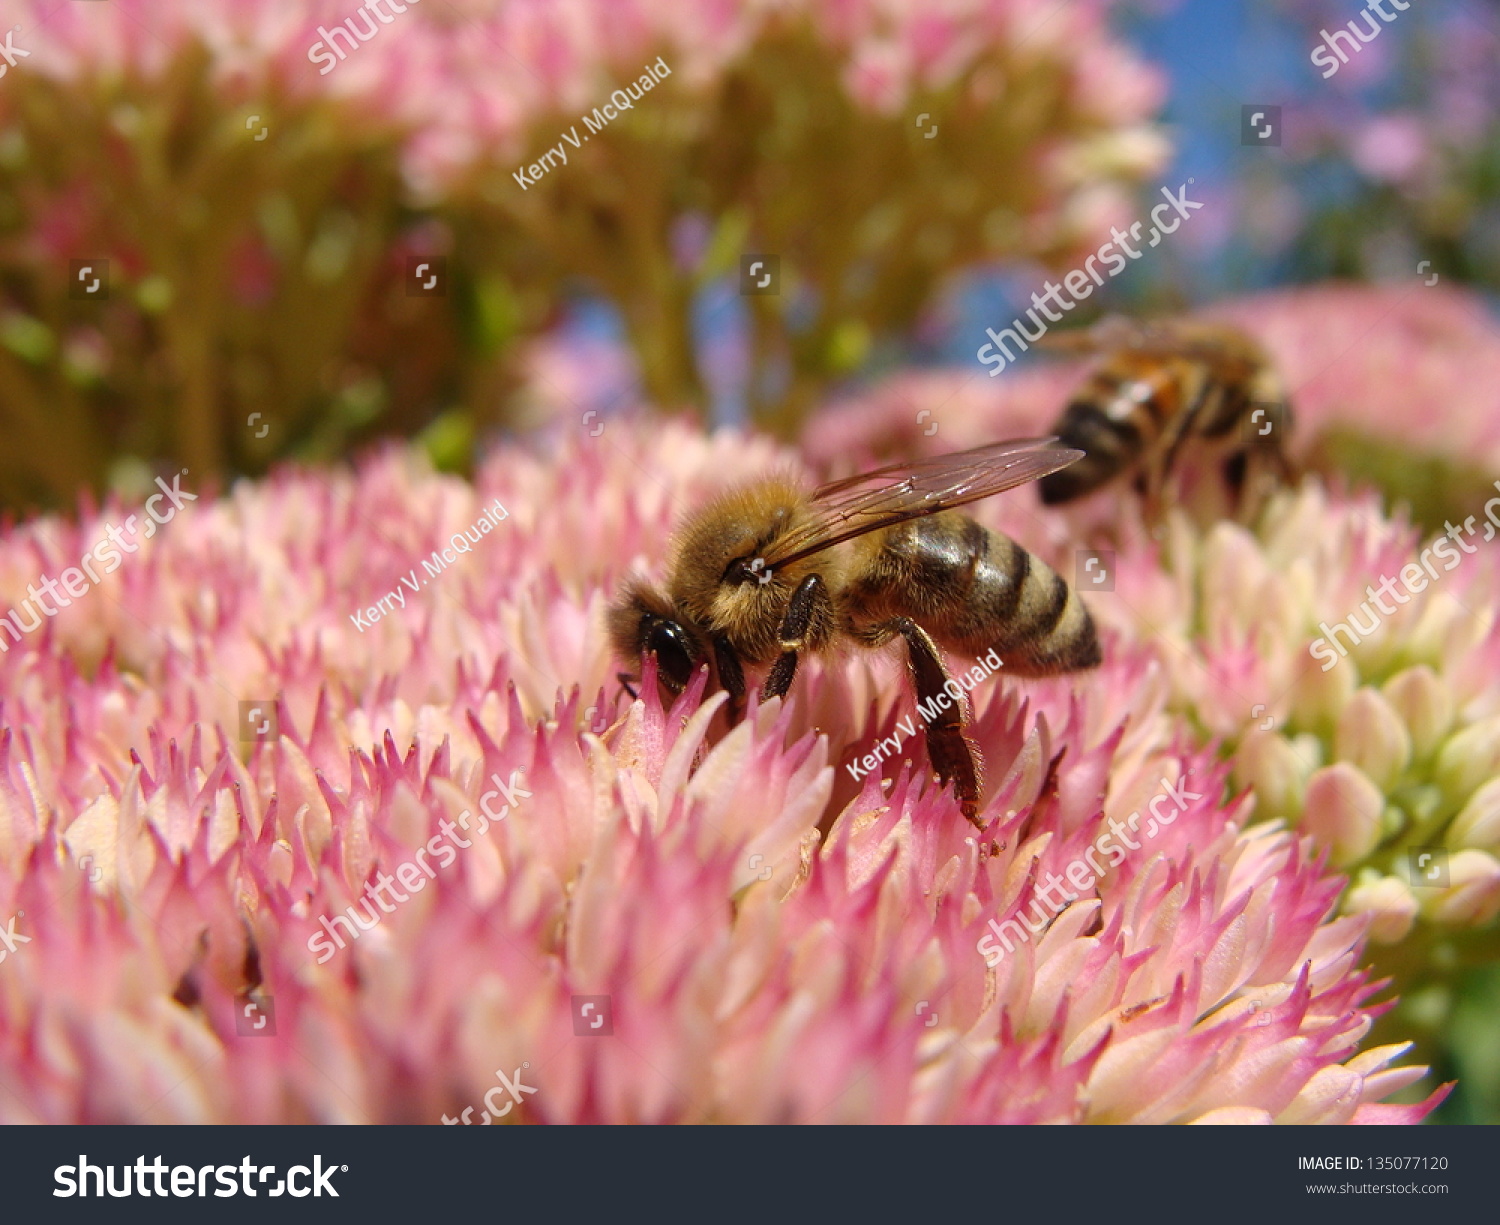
[[669, 642]]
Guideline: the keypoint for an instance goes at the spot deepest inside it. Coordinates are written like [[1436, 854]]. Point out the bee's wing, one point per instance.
[[894, 494], [1151, 337], [1111, 332]]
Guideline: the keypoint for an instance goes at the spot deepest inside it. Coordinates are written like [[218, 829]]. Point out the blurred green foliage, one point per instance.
[[867, 212], [1434, 490], [257, 300], [259, 248], [1449, 988]]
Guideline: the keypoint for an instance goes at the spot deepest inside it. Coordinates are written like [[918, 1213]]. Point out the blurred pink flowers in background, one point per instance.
[[1391, 148], [1413, 115], [333, 153], [435, 75]]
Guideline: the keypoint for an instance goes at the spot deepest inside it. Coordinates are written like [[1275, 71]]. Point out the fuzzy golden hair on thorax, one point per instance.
[[741, 525]]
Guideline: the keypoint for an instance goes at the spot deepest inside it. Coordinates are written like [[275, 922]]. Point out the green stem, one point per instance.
[[198, 436], [660, 327]]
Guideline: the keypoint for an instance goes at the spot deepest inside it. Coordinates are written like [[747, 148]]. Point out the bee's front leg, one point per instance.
[[810, 593], [732, 677]]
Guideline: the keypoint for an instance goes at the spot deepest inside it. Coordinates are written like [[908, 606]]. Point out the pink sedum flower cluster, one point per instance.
[[765, 938]]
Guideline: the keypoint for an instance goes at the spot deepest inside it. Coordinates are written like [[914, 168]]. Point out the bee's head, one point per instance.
[[643, 622]]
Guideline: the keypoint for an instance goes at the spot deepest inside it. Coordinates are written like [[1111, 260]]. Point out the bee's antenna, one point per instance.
[[627, 682]]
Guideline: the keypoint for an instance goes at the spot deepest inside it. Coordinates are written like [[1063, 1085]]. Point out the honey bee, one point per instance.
[[769, 571], [1166, 388]]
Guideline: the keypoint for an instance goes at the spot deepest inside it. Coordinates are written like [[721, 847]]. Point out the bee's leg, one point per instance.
[[1252, 475], [1151, 483], [1169, 450], [949, 750], [1151, 488], [732, 677], [794, 626], [1236, 468]]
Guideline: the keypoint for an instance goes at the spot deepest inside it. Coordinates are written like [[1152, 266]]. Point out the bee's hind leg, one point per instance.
[[950, 751]]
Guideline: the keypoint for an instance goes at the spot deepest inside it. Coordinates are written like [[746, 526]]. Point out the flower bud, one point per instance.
[[1343, 811], [1389, 902], [1468, 759], [1472, 897], [1371, 735], [1444, 626], [1234, 572], [1319, 696], [1478, 825], [1276, 770], [1281, 616], [1424, 704]]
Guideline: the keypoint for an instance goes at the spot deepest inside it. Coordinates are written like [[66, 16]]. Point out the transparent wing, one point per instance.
[[1111, 332], [894, 494], [1206, 339]]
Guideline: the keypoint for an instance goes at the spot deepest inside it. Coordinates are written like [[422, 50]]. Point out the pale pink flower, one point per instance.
[[174, 872]]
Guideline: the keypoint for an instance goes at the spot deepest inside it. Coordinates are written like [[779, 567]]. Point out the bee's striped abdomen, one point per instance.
[[974, 591], [1116, 417], [1022, 608]]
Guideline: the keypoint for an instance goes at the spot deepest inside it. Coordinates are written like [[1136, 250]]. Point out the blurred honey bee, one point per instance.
[[766, 572], [1163, 390]]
